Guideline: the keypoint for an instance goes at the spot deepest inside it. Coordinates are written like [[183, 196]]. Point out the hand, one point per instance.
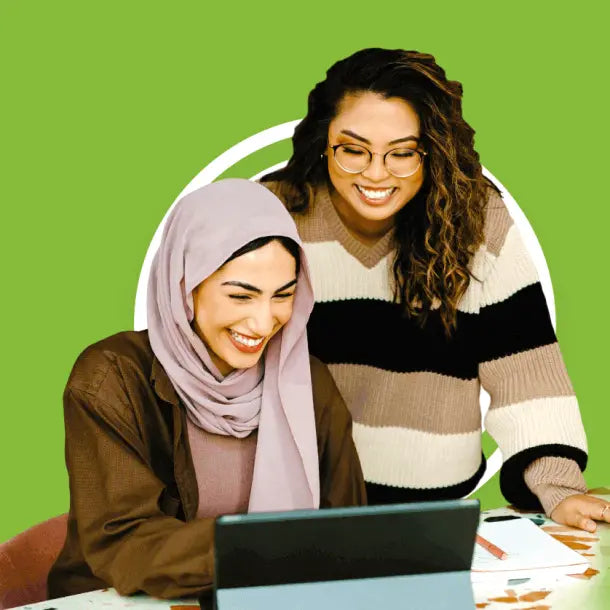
[[582, 511]]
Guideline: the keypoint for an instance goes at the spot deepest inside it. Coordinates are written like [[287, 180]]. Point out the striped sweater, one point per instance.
[[414, 395]]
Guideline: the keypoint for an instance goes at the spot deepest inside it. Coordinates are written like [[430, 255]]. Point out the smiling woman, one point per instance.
[[242, 305], [373, 184], [425, 293], [168, 428]]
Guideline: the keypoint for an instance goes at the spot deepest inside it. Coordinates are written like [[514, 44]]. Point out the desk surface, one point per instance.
[[590, 591]]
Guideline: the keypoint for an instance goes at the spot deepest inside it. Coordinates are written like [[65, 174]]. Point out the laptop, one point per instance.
[[414, 556]]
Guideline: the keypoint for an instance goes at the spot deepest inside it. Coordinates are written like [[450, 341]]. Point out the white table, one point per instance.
[[588, 592]]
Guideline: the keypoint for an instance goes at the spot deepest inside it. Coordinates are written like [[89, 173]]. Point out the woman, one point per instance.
[[424, 292], [215, 409]]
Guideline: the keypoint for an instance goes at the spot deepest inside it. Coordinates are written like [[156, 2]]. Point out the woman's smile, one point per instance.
[[245, 343], [243, 304], [375, 195]]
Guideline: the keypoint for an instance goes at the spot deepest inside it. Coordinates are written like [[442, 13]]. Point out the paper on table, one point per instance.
[[109, 599], [531, 553]]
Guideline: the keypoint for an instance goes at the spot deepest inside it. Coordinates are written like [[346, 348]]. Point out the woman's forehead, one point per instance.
[[272, 260], [376, 118]]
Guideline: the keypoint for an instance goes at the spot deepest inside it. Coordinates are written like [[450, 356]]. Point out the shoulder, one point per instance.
[[273, 185], [110, 391], [501, 239], [298, 201], [498, 223], [281, 190], [502, 265], [322, 382], [111, 362]]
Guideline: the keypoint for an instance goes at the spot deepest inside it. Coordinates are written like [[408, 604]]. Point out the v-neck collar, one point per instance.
[[369, 256]]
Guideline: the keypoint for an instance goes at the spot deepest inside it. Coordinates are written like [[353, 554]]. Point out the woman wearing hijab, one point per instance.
[[217, 408]]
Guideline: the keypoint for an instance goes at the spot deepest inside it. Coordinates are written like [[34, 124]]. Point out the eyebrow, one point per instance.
[[251, 288], [348, 132]]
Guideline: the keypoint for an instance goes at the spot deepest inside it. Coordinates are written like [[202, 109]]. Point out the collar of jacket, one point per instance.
[[162, 383], [184, 470]]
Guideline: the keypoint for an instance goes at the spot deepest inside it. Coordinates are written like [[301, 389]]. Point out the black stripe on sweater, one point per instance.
[[513, 486], [376, 333], [519, 323], [387, 494]]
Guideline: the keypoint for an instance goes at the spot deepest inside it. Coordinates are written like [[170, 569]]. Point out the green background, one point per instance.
[[109, 109]]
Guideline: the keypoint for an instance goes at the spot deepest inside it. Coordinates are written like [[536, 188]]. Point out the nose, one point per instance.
[[261, 320], [376, 171]]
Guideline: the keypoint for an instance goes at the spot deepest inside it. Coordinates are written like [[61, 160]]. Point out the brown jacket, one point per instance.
[[133, 490]]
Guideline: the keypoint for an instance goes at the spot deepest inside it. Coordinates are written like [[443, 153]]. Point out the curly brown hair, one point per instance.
[[438, 231]]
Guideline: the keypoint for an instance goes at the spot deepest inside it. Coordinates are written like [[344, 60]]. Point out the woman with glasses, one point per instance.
[[424, 293]]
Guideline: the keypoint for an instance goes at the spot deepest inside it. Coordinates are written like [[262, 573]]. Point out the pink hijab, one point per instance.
[[202, 231]]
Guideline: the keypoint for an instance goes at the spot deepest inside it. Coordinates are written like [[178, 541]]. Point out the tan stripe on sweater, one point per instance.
[[420, 401], [535, 373], [321, 223], [497, 223], [553, 479]]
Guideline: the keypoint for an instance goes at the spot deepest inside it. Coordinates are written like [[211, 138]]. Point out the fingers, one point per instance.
[[580, 519], [585, 523], [573, 517], [582, 512], [604, 514], [595, 509]]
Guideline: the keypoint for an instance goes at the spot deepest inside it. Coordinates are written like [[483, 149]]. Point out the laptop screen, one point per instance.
[[262, 549]]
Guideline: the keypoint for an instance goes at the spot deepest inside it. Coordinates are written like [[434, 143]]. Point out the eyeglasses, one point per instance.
[[400, 162]]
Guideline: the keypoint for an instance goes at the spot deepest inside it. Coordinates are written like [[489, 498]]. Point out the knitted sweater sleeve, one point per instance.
[[533, 415]]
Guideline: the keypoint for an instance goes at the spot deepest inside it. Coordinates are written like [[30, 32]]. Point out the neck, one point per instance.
[[223, 368], [368, 232]]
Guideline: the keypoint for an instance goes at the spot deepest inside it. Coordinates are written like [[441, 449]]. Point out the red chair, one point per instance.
[[26, 559]]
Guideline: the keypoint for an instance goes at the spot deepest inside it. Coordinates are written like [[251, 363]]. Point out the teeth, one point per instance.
[[245, 340], [369, 194]]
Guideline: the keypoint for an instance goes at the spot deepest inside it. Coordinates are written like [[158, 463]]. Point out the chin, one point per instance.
[[380, 213], [245, 362]]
